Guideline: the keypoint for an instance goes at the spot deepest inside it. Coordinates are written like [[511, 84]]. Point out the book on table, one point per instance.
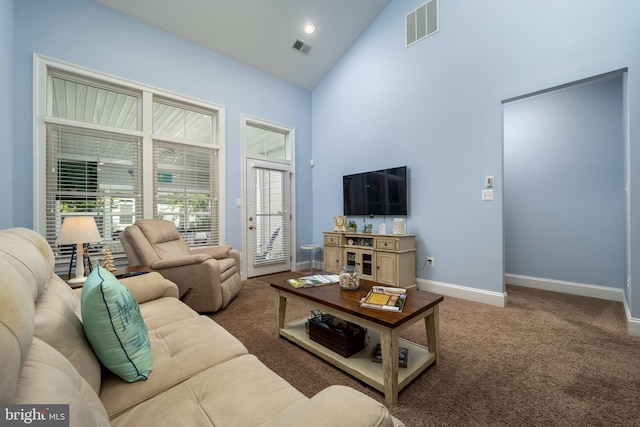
[[314, 280], [384, 298], [403, 355]]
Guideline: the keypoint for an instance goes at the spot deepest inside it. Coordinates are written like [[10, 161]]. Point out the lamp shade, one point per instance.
[[78, 229]]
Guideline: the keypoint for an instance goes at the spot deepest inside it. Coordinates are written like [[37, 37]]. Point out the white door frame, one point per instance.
[[290, 156]]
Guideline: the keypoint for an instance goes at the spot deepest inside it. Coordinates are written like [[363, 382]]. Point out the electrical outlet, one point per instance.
[[487, 195], [628, 282], [431, 261]]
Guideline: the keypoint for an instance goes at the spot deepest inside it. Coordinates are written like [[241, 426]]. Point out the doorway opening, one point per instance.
[[565, 205]]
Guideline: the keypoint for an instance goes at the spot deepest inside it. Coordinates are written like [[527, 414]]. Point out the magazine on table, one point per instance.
[[403, 355], [385, 298], [314, 280]]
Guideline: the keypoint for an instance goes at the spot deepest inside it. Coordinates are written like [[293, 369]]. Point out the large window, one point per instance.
[[120, 151], [185, 191], [95, 173]]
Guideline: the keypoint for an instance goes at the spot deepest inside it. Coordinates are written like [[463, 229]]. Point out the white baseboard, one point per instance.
[[582, 289], [633, 324], [498, 299], [573, 288]]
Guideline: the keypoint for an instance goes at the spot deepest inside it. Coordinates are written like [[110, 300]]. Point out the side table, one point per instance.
[[121, 273], [310, 248]]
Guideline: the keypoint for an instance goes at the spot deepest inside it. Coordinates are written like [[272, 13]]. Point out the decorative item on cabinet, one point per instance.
[[398, 226]]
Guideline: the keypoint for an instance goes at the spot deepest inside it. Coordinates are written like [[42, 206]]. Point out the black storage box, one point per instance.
[[338, 335]]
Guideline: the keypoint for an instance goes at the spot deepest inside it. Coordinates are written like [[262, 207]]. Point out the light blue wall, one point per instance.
[[87, 34], [6, 112], [564, 202], [436, 107]]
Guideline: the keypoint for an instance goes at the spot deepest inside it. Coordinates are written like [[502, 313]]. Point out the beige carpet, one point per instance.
[[548, 359]]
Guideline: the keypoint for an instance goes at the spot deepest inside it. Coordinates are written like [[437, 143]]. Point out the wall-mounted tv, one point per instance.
[[381, 192]]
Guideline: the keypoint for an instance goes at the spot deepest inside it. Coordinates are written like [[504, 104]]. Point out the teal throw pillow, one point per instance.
[[114, 326]]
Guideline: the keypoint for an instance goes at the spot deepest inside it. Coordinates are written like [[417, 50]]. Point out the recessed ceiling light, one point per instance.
[[309, 28]]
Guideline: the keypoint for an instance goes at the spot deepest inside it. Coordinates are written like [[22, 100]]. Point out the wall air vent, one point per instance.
[[302, 46], [422, 22]]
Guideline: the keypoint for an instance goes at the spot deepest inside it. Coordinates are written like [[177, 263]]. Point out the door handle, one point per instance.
[[251, 227]]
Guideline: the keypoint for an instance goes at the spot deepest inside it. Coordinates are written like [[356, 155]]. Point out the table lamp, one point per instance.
[[77, 230]]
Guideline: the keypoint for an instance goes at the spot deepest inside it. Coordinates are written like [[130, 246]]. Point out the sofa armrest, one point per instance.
[[340, 406], [180, 261], [150, 286]]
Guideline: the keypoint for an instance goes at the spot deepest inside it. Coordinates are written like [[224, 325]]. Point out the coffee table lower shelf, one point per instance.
[[360, 365]]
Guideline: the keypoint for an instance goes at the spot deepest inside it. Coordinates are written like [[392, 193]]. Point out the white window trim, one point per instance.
[[43, 65]]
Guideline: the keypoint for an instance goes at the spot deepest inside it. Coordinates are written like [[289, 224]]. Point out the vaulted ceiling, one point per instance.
[[261, 33]]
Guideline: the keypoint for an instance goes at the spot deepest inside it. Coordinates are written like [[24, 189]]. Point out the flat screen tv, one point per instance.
[[381, 192]]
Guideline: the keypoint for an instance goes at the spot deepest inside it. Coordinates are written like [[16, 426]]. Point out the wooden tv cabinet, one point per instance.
[[388, 259]]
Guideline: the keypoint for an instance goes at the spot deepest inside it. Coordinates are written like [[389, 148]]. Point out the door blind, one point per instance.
[[271, 223]]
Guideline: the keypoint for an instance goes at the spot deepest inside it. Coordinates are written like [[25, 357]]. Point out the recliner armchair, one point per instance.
[[208, 278]]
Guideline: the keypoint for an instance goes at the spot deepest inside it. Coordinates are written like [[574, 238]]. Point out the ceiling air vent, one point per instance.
[[302, 46], [422, 22]]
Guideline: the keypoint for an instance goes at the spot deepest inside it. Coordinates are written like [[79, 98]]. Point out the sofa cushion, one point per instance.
[[47, 377], [239, 392], [181, 350], [165, 311], [341, 402], [26, 263], [16, 327], [114, 326], [57, 323], [150, 286], [34, 254]]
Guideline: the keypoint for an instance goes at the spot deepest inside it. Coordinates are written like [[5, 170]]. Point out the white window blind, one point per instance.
[[92, 173], [271, 216], [186, 190]]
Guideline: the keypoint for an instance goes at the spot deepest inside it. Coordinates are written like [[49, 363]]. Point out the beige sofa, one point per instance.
[[202, 375], [208, 277]]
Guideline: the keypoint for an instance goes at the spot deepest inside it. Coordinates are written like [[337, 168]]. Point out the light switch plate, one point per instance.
[[488, 181]]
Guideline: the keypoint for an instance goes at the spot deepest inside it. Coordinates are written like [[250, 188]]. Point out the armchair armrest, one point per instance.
[[150, 286], [180, 261], [340, 405], [217, 252]]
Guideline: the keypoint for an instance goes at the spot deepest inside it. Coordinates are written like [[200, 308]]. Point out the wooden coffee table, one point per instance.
[[383, 327]]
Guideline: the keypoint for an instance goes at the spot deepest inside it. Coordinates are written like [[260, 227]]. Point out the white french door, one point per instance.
[[268, 217]]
